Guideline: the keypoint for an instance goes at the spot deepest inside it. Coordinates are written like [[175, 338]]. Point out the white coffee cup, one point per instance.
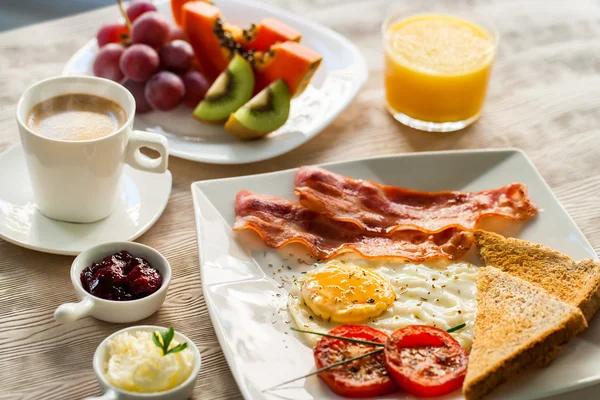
[[79, 181]]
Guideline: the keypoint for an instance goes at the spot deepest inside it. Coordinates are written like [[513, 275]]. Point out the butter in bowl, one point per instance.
[[148, 362]]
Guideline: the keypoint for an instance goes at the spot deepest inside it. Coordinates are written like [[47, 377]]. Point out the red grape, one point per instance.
[[176, 56], [177, 33], [151, 29], [137, 90], [139, 62], [137, 8], [111, 33], [196, 86], [106, 64], [164, 91]]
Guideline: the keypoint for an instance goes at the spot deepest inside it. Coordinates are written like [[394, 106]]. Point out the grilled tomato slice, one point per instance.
[[425, 361], [366, 377]]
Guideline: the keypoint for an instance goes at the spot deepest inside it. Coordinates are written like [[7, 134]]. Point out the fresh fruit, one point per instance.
[[106, 64], [290, 61], [196, 87], [364, 377], [176, 6], [176, 56], [164, 91], [137, 8], [264, 113], [137, 90], [229, 92], [269, 32], [176, 9], [112, 33], [425, 361], [214, 41], [150, 28], [139, 62], [177, 33]]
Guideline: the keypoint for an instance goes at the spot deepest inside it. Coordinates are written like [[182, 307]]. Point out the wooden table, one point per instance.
[[544, 98]]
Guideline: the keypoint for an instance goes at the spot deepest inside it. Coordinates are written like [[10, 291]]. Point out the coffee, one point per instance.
[[76, 116]]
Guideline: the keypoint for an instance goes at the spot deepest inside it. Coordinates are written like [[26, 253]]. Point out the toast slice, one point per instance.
[[576, 283], [518, 326]]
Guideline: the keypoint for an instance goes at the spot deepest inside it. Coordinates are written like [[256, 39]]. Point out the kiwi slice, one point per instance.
[[266, 112], [229, 92]]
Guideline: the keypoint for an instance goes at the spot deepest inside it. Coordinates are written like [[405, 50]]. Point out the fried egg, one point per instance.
[[386, 296], [346, 293]]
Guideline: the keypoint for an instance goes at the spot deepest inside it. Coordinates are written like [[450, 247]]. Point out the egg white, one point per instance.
[[440, 294]]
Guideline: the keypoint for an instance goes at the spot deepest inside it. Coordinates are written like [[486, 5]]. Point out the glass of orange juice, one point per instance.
[[437, 69]]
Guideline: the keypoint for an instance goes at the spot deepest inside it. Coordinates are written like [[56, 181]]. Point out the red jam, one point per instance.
[[121, 277]]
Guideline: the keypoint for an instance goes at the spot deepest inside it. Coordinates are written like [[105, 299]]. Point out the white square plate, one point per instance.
[[247, 300], [341, 74]]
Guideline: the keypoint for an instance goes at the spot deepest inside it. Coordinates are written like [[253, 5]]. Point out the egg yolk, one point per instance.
[[346, 293]]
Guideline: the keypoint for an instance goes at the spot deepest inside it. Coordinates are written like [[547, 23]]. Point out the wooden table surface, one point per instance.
[[544, 99]]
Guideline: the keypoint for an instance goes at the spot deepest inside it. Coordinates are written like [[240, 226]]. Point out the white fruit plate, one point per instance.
[[337, 81], [247, 294]]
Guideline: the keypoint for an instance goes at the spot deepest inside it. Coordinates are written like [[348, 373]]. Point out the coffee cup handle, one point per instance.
[[154, 141], [69, 312]]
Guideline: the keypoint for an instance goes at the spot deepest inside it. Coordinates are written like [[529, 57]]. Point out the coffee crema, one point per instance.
[[76, 116]]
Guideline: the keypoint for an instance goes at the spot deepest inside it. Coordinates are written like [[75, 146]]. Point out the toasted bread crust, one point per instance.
[[577, 283], [590, 300], [518, 326]]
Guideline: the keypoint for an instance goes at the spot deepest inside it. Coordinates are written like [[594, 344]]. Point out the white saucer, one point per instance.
[[142, 201]]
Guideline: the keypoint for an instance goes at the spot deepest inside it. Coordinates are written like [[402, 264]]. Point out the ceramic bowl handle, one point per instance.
[[73, 311], [109, 395], [154, 141]]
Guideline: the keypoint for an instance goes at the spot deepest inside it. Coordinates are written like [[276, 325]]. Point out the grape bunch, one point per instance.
[[152, 59]]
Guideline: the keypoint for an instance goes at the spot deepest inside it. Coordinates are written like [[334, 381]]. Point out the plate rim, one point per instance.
[[212, 309], [359, 63], [46, 250], [378, 157]]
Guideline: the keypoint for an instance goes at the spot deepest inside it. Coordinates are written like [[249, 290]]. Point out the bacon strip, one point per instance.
[[280, 222], [382, 209]]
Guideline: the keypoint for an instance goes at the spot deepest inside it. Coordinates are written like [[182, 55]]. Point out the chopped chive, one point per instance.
[[347, 339], [456, 328], [349, 360]]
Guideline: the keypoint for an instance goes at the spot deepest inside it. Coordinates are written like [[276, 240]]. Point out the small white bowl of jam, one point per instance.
[[131, 365], [117, 282]]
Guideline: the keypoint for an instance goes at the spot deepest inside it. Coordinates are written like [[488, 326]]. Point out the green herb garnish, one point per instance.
[[348, 360], [341, 338], [456, 328], [337, 364], [164, 341]]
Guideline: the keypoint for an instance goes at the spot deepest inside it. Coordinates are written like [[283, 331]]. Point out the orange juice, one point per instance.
[[437, 70]]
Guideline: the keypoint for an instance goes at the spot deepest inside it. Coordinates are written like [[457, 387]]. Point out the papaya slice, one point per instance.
[[290, 61], [176, 6], [176, 10], [271, 47], [269, 32], [213, 41]]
